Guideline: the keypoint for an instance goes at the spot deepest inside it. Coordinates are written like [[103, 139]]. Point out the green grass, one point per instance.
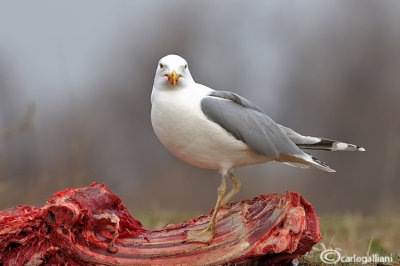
[[155, 218], [357, 234]]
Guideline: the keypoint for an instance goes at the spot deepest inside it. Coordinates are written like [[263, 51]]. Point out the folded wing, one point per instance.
[[248, 123]]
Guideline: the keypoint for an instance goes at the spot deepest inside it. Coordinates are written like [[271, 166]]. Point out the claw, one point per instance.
[[201, 235]]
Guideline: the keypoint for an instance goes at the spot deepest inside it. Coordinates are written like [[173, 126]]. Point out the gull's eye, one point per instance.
[[186, 66], [161, 66]]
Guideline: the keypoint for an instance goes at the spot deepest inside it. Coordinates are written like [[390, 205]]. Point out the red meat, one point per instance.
[[90, 225]]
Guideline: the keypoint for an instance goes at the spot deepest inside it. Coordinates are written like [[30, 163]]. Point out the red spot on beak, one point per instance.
[[173, 78]]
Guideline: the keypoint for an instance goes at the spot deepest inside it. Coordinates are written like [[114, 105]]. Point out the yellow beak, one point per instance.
[[173, 77]]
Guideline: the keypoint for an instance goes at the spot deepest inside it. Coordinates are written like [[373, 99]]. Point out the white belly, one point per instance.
[[182, 127]]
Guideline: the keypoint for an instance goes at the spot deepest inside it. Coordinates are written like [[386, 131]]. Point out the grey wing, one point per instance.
[[246, 122]]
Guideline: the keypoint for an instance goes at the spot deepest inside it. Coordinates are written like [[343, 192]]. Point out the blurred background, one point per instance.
[[76, 79]]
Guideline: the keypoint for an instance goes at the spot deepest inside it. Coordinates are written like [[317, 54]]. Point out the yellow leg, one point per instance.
[[207, 234], [235, 189]]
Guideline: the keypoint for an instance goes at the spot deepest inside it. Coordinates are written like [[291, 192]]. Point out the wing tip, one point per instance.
[[321, 165], [325, 168], [342, 146]]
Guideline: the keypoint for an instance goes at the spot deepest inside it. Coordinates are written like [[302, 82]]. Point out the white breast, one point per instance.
[[182, 127]]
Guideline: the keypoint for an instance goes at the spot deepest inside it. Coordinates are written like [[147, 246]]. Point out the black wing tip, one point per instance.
[[322, 165], [331, 145]]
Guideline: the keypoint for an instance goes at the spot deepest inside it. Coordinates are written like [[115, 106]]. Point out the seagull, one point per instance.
[[222, 130]]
